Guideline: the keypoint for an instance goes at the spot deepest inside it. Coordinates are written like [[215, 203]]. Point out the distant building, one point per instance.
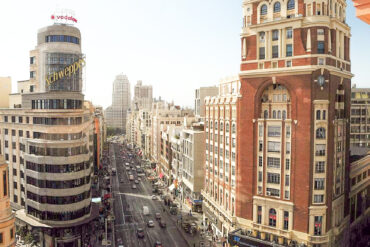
[[200, 94], [143, 96], [5, 90], [116, 114], [360, 118], [7, 219], [359, 178]]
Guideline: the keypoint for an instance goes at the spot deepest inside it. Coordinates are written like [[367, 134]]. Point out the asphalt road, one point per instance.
[[128, 210]]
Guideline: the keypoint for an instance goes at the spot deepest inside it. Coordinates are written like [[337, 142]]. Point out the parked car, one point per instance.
[[150, 223], [157, 216], [121, 181], [136, 181], [154, 197], [140, 233], [133, 186]]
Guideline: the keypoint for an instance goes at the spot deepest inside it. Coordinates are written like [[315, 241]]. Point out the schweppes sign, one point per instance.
[[66, 72]]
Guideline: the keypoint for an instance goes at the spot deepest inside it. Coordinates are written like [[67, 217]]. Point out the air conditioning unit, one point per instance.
[[268, 193]]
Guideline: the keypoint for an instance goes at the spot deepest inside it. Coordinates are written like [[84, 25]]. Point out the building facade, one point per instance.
[[293, 130], [5, 90], [116, 114], [360, 118], [219, 193], [362, 10], [359, 200], [7, 219], [143, 96], [47, 140], [200, 94]]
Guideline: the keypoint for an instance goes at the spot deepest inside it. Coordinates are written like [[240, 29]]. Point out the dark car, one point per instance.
[[140, 233], [158, 244], [162, 224]]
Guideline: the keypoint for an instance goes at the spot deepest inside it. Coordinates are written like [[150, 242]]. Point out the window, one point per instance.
[[1, 238], [317, 225], [287, 164], [273, 162], [15, 185], [274, 131], [13, 132], [321, 61], [289, 63], [32, 60], [275, 51], [32, 74], [287, 130], [272, 217], [262, 36], [286, 220], [259, 176], [273, 147], [5, 119], [273, 178], [320, 133], [289, 50], [260, 161], [5, 183], [286, 194], [275, 35], [262, 53], [320, 31], [290, 4], [289, 33], [318, 115], [260, 146], [318, 198], [259, 214], [264, 9], [272, 192], [265, 114], [320, 167], [319, 183], [287, 180], [287, 147], [320, 149], [320, 47], [324, 115], [277, 7]]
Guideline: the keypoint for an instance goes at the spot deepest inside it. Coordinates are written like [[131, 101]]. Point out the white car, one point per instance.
[[154, 197], [133, 186]]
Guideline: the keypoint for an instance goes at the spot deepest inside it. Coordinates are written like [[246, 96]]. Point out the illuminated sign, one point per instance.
[[64, 16], [66, 72]]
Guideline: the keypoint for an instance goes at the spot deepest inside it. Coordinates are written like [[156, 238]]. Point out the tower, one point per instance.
[[292, 123]]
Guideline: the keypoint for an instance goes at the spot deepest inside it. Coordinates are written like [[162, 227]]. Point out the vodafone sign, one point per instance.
[[61, 17], [64, 16]]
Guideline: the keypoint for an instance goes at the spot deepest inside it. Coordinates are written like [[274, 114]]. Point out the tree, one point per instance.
[[29, 240]]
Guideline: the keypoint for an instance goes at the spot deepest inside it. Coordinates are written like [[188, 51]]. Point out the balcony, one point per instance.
[[319, 239]]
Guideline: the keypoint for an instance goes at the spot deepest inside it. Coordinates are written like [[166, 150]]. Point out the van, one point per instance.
[[145, 210], [131, 178]]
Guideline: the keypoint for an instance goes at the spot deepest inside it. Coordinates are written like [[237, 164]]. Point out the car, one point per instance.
[[127, 168], [139, 179], [150, 223], [133, 169], [133, 186], [162, 224], [154, 197], [121, 181], [158, 244], [129, 173], [140, 233], [157, 216], [136, 181]]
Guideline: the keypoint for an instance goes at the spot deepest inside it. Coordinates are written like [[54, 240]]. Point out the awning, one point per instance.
[[172, 186]]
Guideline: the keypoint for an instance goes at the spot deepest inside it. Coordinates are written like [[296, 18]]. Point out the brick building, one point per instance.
[[293, 124]]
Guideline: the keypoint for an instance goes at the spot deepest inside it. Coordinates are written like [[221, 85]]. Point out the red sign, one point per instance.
[[64, 17]]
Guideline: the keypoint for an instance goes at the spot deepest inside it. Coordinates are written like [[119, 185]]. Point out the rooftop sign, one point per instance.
[[64, 16]]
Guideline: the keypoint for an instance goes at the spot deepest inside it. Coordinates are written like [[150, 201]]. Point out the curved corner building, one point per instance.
[[47, 140]]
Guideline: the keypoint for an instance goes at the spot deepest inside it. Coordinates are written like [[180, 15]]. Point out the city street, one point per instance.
[[128, 209]]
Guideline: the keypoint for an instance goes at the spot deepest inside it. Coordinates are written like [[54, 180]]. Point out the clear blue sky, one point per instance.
[[174, 45]]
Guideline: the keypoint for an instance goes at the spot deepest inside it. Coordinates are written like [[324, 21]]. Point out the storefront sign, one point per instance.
[[66, 72]]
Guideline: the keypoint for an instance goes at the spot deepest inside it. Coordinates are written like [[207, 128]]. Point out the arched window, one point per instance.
[[318, 115], [284, 115], [221, 126], [320, 133], [279, 115], [266, 114], [211, 124], [215, 125], [227, 127], [290, 4], [272, 217], [324, 115], [233, 128], [264, 9], [207, 124], [274, 114], [277, 7]]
